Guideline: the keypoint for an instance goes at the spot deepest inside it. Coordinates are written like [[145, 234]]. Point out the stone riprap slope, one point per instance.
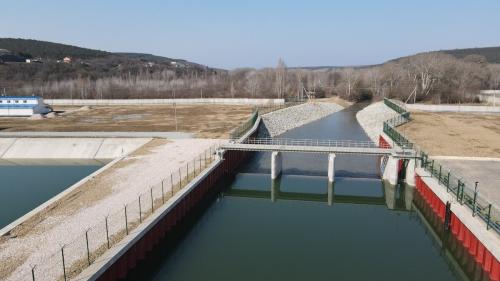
[[280, 121], [372, 118]]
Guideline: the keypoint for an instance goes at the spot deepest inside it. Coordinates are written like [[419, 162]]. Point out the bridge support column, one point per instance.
[[391, 170], [331, 167], [331, 191], [276, 163], [410, 172]]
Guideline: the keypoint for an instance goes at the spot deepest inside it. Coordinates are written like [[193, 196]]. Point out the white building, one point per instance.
[[490, 96], [22, 106]]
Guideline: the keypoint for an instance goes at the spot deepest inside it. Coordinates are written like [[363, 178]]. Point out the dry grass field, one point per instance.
[[455, 134], [207, 121]]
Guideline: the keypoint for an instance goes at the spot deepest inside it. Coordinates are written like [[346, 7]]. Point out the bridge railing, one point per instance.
[[465, 192], [313, 142]]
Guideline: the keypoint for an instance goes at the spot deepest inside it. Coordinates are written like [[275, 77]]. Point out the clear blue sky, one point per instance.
[[229, 34]]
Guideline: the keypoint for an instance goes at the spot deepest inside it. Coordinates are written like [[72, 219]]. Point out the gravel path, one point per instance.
[[38, 241], [280, 121], [372, 118]]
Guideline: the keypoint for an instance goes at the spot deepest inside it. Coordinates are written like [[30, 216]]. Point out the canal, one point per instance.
[[24, 187], [302, 228]]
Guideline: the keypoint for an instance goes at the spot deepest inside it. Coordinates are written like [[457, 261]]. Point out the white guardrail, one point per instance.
[[312, 142]]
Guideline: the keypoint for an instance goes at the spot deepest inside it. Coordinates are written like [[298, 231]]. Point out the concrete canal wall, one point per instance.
[[26, 150], [117, 262], [107, 102], [482, 244]]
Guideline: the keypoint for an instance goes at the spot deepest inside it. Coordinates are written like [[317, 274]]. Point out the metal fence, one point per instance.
[[260, 110], [466, 193], [75, 256]]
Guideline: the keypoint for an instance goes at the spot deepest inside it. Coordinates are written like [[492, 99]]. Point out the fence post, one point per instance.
[[187, 172], [171, 184], [474, 202], [180, 179], [33, 273], [448, 182], [162, 192], [152, 202], [88, 250], [439, 179], [63, 263], [462, 194], [140, 210], [489, 217], [458, 189], [126, 219], [107, 231], [432, 167]]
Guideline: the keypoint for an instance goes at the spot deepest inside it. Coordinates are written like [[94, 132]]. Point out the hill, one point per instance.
[[48, 50], [492, 54]]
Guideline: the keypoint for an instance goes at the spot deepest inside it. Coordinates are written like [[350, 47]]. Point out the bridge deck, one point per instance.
[[308, 149], [317, 146]]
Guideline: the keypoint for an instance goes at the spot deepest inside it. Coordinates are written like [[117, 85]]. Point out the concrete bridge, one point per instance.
[[389, 164]]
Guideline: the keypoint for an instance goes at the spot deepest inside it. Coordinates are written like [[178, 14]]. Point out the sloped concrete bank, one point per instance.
[[67, 150], [280, 121], [372, 118]]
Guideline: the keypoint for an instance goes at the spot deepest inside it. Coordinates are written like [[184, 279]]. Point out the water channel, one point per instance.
[[302, 228], [24, 187]]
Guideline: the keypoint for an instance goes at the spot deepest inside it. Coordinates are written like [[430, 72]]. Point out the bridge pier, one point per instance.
[[410, 172], [331, 191], [391, 170], [276, 164], [331, 167]]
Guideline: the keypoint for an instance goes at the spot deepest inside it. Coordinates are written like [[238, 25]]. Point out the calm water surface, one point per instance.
[[302, 228], [23, 188]]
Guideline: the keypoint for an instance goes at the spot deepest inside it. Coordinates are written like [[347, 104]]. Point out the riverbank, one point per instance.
[[372, 118], [280, 121], [67, 219]]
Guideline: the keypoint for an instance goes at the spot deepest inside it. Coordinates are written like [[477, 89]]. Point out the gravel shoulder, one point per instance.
[[280, 121], [34, 241]]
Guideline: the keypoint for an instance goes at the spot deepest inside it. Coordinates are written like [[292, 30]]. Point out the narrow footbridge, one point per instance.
[[316, 146]]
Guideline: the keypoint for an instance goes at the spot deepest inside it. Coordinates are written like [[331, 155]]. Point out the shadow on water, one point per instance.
[[300, 227]]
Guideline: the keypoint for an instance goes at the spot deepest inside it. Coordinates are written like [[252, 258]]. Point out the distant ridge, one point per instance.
[[492, 54]]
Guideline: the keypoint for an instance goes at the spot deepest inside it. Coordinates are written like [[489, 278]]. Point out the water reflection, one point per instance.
[[319, 189]]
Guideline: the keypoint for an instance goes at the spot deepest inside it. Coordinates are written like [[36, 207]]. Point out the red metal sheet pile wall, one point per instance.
[[145, 244], [469, 241]]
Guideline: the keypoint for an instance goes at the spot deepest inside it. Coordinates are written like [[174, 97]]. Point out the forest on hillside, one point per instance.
[[435, 77]]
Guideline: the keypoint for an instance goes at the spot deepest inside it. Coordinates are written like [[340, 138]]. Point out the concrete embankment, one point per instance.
[[65, 220], [372, 118], [480, 243], [221, 101], [67, 150], [280, 121]]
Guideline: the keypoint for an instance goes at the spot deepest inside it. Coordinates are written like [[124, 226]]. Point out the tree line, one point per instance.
[[434, 77]]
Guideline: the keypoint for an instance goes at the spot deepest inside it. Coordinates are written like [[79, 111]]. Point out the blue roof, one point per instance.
[[20, 97]]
